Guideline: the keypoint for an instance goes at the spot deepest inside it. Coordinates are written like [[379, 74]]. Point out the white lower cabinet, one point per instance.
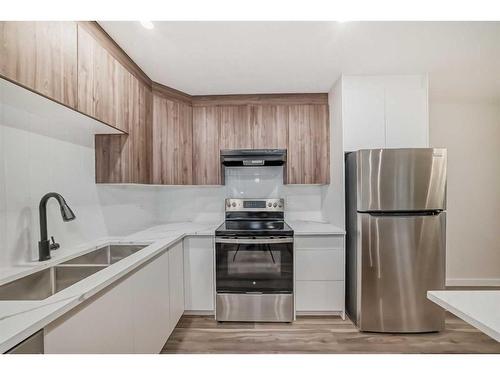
[[199, 274], [150, 287], [319, 274], [319, 296], [176, 283], [133, 315], [102, 324]]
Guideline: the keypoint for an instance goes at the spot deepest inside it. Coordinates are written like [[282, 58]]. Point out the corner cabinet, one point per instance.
[[127, 158], [145, 304], [41, 56], [384, 111], [172, 134]]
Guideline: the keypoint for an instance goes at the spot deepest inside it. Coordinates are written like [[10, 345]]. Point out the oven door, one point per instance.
[[254, 265]]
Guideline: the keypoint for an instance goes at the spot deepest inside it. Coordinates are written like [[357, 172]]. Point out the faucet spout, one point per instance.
[[67, 214]]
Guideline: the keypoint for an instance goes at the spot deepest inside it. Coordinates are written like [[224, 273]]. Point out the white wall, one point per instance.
[[470, 130], [39, 155]]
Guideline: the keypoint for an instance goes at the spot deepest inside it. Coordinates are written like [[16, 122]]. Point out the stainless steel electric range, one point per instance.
[[254, 262]]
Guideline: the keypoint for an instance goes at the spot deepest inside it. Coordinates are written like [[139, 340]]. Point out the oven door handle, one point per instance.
[[254, 240]]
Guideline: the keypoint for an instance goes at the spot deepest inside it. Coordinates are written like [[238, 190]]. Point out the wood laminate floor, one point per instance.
[[326, 334]]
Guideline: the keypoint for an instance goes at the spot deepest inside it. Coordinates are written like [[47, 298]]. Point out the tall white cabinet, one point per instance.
[[384, 111]]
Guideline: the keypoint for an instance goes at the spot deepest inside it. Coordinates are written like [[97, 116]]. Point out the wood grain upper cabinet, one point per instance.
[[172, 141], [269, 125], [103, 82], [235, 128], [308, 144], [206, 154], [127, 158], [41, 56]]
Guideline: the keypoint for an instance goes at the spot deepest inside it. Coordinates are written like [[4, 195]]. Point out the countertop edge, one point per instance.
[[469, 319]]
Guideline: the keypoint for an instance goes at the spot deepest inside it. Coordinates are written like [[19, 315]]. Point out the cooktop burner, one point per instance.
[[254, 217], [254, 228]]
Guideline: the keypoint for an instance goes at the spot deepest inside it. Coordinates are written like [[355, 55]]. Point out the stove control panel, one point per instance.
[[247, 204]]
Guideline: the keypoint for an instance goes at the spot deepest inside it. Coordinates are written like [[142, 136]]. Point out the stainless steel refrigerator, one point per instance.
[[395, 241]]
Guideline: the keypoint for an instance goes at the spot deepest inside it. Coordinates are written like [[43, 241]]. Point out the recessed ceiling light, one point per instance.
[[147, 24]]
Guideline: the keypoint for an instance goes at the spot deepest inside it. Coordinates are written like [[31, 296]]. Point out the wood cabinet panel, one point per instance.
[[269, 126], [206, 155], [308, 145], [103, 83], [235, 131], [41, 56], [127, 158], [172, 142]]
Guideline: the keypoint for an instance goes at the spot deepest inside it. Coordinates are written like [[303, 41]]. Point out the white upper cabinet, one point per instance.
[[385, 111]]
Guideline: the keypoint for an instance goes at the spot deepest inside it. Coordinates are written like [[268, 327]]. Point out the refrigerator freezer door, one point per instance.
[[412, 179], [402, 257]]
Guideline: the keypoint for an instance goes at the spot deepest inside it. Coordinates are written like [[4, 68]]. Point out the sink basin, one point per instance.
[[43, 284], [106, 255]]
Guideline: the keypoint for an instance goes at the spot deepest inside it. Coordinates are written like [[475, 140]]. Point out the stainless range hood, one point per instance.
[[252, 158]]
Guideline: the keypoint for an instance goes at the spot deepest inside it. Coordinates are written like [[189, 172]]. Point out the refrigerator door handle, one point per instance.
[[403, 213]]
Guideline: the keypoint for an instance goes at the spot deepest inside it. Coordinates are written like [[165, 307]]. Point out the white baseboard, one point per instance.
[[473, 282]]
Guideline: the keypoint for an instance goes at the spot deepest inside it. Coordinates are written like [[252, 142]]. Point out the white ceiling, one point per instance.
[[462, 58]]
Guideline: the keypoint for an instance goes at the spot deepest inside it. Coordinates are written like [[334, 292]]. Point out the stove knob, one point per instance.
[[275, 204], [228, 204], [280, 205], [269, 204], [234, 204]]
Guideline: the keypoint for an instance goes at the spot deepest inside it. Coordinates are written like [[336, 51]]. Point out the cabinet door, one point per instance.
[[363, 114], [172, 142], [150, 287], [130, 316], [206, 155], [407, 117], [41, 56], [269, 126], [103, 83], [198, 274], [319, 296], [101, 325], [308, 144], [235, 129], [176, 277], [127, 158]]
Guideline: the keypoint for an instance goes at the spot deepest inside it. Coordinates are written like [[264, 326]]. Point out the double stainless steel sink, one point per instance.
[[44, 283]]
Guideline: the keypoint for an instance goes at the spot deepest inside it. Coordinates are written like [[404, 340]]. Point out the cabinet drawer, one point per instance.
[[319, 296], [199, 242], [319, 264], [319, 242]]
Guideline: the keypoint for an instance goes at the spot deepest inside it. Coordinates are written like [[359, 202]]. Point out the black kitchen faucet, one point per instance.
[[44, 245]]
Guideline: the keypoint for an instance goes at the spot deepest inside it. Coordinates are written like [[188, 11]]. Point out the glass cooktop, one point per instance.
[[254, 228]]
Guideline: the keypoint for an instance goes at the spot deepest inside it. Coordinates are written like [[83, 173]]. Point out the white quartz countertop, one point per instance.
[[479, 308], [306, 228], [20, 319]]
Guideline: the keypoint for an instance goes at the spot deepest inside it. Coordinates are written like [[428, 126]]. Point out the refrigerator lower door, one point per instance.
[[401, 258]]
